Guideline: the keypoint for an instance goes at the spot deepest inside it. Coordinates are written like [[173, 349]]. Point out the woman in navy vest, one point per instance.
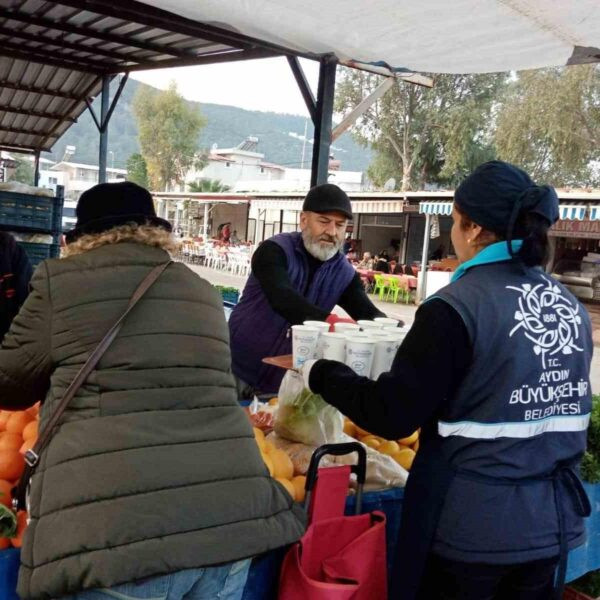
[[495, 370]]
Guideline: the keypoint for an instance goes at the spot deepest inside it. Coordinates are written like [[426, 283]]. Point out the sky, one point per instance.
[[266, 84]]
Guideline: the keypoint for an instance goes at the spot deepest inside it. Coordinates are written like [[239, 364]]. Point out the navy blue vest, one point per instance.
[[521, 411], [258, 331]]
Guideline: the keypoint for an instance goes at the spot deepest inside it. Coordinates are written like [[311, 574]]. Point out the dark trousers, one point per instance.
[[450, 580]]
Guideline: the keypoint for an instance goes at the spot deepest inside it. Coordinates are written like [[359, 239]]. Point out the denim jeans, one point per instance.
[[225, 582]]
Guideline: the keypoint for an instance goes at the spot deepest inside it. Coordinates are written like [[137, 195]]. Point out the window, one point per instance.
[[262, 169], [52, 180], [227, 164]]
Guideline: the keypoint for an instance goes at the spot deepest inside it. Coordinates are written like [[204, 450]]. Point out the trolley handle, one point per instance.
[[359, 469]]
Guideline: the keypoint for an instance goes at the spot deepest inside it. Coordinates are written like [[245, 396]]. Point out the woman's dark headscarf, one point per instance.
[[497, 193]]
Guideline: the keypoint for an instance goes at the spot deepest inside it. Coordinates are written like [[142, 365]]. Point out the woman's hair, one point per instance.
[[150, 235], [530, 227]]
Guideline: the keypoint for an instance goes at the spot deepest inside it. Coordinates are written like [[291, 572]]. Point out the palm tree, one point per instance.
[[207, 185]]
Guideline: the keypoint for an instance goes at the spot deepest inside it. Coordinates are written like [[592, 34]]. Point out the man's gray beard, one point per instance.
[[320, 252]]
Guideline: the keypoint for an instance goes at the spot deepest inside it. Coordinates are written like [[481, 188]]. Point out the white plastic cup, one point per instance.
[[366, 325], [385, 351], [304, 344], [398, 336], [359, 355], [334, 346], [386, 321], [343, 327], [322, 327]]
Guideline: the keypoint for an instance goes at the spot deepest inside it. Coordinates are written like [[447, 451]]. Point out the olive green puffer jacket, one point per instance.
[[154, 467]]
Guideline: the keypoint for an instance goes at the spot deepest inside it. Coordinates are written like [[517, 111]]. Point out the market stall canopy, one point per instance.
[[437, 36], [54, 55]]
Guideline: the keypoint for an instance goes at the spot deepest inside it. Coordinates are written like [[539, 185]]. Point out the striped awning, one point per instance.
[[595, 212], [436, 208], [572, 212]]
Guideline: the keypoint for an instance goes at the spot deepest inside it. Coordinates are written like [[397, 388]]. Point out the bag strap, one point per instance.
[[32, 456]]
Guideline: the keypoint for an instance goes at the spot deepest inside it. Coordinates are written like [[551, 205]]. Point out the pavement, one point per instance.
[[405, 312]]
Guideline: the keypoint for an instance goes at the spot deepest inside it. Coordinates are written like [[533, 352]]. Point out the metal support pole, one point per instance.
[[103, 150], [36, 169], [423, 282], [323, 121], [205, 224], [281, 221]]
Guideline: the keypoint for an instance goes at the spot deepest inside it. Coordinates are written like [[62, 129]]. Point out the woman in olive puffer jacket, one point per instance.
[[152, 485]]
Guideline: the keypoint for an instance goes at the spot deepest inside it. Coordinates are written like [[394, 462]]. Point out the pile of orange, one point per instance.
[[18, 433], [403, 451], [280, 466]]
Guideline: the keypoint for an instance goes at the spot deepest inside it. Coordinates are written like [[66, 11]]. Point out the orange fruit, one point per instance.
[[372, 442], [404, 457], [299, 483], [17, 541], [4, 414], [31, 430], [410, 440], [287, 484], [10, 441], [12, 464], [283, 465], [389, 447], [27, 445], [269, 463], [269, 447], [361, 432], [5, 496], [17, 421], [4, 543], [350, 428], [274, 401]]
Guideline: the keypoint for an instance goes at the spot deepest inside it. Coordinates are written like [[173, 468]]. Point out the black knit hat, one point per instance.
[[327, 198], [109, 205]]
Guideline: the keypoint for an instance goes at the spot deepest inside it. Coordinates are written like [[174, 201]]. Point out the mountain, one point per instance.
[[280, 135]]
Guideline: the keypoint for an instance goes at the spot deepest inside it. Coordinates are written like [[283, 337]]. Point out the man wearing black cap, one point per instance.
[[296, 277]]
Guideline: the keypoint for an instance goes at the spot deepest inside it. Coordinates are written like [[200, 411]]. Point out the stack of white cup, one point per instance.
[[304, 344]]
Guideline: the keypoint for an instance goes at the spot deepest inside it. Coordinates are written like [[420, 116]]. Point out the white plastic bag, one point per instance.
[[305, 417]]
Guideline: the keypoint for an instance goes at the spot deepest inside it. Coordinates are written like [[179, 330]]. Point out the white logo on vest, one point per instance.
[[548, 319]]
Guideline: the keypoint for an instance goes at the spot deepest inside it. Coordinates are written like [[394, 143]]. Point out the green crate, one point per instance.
[[30, 213]]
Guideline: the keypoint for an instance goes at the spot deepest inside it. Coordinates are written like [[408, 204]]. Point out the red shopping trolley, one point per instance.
[[339, 557]]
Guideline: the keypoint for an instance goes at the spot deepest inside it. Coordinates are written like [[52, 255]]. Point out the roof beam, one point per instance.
[[89, 32], [32, 113], [29, 55], [60, 43], [307, 93], [86, 94], [11, 85], [17, 148], [21, 131], [208, 59], [162, 19]]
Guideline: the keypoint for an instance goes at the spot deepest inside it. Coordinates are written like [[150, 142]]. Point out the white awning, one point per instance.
[[436, 208], [358, 206], [572, 212], [436, 36], [594, 212]]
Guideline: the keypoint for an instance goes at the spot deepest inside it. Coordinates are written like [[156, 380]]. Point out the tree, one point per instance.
[[24, 172], [168, 130], [137, 170], [207, 185], [424, 135], [550, 124]]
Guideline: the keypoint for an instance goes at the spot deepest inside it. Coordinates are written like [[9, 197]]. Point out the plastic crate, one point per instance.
[[9, 571], [30, 213], [230, 297], [39, 252]]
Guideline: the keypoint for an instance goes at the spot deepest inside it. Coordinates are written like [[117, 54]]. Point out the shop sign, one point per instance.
[[576, 229]]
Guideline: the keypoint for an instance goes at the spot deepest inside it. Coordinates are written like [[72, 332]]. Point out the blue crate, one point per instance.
[[9, 571], [39, 252], [26, 212]]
